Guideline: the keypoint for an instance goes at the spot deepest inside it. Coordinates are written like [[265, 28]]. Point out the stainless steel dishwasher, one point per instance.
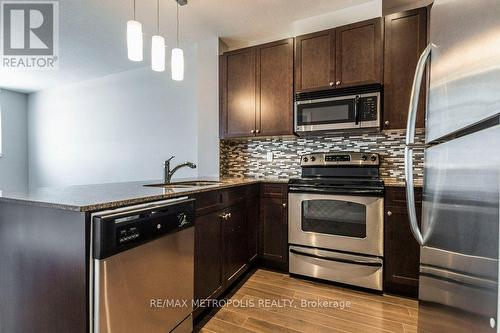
[[141, 268]]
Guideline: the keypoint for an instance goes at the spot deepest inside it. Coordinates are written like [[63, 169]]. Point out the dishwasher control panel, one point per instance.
[[127, 234], [118, 232]]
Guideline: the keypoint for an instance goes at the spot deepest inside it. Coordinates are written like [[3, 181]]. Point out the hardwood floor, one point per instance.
[[271, 302]]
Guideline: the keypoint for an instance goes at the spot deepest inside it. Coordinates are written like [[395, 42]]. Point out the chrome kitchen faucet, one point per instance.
[[167, 173]]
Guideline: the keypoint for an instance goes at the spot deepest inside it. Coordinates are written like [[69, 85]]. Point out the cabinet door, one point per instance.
[[274, 230], [239, 105], [253, 228], [405, 40], [208, 256], [315, 61], [359, 53], [275, 88], [235, 243], [402, 252]]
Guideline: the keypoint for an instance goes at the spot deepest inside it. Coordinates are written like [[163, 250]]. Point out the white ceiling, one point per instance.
[[92, 39], [391, 5]]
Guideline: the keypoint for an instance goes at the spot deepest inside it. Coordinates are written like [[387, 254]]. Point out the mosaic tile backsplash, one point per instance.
[[247, 157]]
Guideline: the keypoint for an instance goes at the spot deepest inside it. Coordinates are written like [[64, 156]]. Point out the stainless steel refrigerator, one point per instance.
[[459, 231]]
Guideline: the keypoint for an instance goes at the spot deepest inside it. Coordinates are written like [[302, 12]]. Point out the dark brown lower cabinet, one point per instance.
[[273, 242], [253, 227], [226, 236], [235, 242], [402, 252], [208, 256]]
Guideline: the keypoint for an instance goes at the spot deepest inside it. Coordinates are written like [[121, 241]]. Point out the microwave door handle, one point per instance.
[[410, 142], [356, 113]]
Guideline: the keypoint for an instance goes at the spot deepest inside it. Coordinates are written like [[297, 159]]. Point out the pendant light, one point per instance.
[[177, 60], [158, 46], [134, 39]]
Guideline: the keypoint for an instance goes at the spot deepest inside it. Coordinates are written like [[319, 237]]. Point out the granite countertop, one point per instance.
[[86, 198]]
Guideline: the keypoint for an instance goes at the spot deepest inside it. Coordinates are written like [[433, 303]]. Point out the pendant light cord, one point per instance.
[[177, 24], [158, 17], [134, 10]]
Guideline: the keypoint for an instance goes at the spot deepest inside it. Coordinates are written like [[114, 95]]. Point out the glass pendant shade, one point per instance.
[[158, 53], [134, 40], [177, 64]]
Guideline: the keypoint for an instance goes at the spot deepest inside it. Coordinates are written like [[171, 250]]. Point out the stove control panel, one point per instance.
[[340, 159]]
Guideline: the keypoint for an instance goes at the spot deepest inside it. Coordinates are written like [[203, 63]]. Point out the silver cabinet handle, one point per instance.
[[410, 141], [387, 123], [252, 131], [338, 83], [389, 213], [332, 84], [257, 131], [284, 205]]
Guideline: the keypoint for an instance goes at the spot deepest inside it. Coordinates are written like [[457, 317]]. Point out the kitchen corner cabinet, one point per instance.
[[225, 239], [405, 40], [342, 57], [273, 244], [402, 252], [256, 88], [239, 107]]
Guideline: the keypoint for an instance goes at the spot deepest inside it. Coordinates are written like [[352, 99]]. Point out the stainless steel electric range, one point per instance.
[[336, 222]]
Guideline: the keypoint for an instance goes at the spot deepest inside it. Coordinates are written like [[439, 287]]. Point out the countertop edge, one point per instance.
[[138, 200]]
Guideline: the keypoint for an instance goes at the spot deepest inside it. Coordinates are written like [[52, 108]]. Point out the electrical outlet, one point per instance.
[[269, 156]]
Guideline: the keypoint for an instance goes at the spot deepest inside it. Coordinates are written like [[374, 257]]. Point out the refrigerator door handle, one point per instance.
[[415, 94], [410, 141]]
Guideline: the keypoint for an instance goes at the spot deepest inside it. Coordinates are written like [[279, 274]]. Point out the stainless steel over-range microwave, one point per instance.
[[330, 111]]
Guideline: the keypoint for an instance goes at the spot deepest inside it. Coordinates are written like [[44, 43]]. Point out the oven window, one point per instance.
[[341, 218], [325, 113]]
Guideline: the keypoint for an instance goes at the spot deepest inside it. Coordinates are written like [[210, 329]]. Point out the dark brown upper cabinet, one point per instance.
[[346, 56], [315, 61], [256, 87], [275, 88], [358, 53], [239, 93], [405, 40]]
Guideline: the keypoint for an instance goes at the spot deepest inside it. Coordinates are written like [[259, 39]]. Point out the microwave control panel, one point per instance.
[[368, 108]]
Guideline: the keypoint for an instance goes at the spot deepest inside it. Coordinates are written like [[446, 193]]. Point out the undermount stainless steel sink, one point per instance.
[[186, 184]]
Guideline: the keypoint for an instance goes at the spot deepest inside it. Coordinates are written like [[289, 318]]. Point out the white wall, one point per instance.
[[116, 128], [208, 107], [14, 160]]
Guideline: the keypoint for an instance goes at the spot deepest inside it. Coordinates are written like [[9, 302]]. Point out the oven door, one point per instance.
[[337, 222], [326, 114]]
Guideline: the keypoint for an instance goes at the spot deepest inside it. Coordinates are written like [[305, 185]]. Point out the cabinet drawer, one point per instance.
[[274, 190], [396, 196], [211, 201], [235, 196], [208, 202]]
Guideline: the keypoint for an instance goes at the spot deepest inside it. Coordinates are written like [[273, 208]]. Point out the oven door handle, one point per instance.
[[345, 261], [375, 192]]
